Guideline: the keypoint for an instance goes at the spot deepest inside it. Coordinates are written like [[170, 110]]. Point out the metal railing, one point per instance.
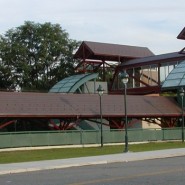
[[55, 138]]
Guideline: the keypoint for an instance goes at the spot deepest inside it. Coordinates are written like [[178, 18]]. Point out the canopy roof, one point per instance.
[[175, 56], [57, 105], [110, 52], [72, 83]]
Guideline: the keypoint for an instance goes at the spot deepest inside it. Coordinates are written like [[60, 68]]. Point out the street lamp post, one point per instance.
[[124, 78], [181, 93], [100, 92]]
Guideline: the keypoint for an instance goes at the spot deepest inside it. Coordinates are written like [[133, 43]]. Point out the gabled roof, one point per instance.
[[57, 105], [175, 56], [110, 52]]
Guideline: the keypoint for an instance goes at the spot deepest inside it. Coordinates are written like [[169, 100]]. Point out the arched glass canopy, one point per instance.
[[73, 83]]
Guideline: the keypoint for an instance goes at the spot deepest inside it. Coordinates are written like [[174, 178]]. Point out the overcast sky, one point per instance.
[[149, 23]]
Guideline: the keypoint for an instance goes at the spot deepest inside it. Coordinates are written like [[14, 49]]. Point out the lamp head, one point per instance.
[[100, 90], [124, 77], [181, 92]]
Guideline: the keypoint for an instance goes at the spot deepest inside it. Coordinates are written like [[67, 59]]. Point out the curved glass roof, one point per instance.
[[176, 78], [72, 83]]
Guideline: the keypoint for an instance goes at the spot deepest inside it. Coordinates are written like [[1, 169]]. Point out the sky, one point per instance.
[[147, 23]]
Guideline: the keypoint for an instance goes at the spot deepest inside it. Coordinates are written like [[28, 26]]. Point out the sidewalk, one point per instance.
[[104, 159]]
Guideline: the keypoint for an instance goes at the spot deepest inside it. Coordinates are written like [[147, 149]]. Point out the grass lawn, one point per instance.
[[62, 153]]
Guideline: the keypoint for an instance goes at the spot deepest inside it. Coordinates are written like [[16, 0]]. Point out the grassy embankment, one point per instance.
[[63, 153]]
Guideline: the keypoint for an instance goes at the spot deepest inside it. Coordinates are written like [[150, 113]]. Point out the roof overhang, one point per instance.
[[182, 34], [152, 60]]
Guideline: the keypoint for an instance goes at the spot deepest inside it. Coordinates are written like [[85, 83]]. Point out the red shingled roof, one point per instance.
[[55, 105]]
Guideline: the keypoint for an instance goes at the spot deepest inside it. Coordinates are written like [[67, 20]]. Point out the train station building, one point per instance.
[[153, 96]]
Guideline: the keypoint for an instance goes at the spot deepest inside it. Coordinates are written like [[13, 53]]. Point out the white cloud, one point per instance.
[[151, 23]]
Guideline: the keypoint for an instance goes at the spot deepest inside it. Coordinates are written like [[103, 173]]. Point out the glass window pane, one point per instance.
[[171, 83], [178, 70], [175, 76], [182, 83]]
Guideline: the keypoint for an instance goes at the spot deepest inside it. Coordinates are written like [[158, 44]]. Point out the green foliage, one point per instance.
[[63, 153], [36, 56]]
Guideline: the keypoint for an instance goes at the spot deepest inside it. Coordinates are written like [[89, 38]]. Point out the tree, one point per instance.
[[36, 56]]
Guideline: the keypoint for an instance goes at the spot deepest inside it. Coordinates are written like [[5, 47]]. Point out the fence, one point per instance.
[[52, 138]]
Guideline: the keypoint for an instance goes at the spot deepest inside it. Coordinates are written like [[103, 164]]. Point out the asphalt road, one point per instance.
[[168, 171]]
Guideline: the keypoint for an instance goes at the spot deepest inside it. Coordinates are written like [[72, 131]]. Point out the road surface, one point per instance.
[[167, 171]]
